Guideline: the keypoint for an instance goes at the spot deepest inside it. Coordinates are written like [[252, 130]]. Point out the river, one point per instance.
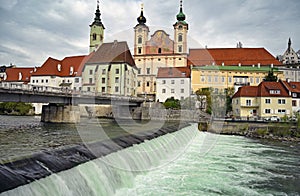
[[186, 162]]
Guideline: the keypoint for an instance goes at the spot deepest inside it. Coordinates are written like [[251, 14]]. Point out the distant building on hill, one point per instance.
[[290, 57]]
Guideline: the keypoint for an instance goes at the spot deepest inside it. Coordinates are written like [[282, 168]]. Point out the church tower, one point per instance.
[[141, 33], [97, 31], [180, 33]]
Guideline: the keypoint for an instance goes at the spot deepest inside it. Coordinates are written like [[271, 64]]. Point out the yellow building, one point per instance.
[[222, 77], [262, 101]]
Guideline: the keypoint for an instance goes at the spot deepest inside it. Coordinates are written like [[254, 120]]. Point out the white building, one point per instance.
[[290, 56], [173, 82], [111, 70], [59, 74]]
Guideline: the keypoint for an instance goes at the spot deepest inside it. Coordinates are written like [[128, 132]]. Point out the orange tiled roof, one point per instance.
[[174, 72], [50, 67], [262, 90], [18, 74], [232, 56]]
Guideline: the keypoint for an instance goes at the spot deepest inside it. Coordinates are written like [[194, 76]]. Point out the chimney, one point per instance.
[[258, 65], [223, 64], [272, 65], [240, 64], [253, 65]]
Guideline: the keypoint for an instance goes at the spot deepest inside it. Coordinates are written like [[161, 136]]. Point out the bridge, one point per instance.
[[63, 103]]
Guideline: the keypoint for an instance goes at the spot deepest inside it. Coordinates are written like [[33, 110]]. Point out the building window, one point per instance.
[[229, 79], [148, 84], [140, 50], [281, 111], [90, 80], [103, 71], [139, 83], [209, 78], [268, 111], [268, 101], [103, 90], [116, 89], [182, 81], [248, 102], [202, 78], [103, 80], [275, 92], [163, 91], [88, 88], [76, 80], [42, 81], [281, 101], [33, 81], [182, 90], [159, 50], [164, 82], [294, 94], [294, 103], [148, 71], [94, 36], [172, 91], [117, 80], [139, 71], [91, 72], [172, 81], [216, 79], [223, 79], [117, 71], [251, 80], [140, 40], [179, 48], [180, 38], [257, 80]]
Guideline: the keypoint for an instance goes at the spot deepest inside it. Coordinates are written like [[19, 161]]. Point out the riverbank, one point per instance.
[[269, 131]]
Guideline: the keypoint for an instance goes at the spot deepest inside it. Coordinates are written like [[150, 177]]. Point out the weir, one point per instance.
[[98, 169]]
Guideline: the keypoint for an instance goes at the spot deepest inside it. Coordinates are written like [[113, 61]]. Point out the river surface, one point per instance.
[[206, 164]]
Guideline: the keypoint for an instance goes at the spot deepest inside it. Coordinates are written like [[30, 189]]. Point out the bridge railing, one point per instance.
[[33, 89]]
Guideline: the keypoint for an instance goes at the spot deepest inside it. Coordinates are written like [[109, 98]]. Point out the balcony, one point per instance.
[[249, 106]]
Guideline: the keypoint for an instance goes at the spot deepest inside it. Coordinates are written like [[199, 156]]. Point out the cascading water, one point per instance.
[[103, 176]]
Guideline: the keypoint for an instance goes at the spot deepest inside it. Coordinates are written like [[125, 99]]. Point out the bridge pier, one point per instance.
[[54, 113]]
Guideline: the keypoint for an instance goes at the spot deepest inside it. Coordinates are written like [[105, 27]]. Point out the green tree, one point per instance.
[[204, 97], [271, 77], [172, 103], [229, 93]]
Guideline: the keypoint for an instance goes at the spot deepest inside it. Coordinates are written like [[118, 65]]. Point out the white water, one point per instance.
[[104, 176]]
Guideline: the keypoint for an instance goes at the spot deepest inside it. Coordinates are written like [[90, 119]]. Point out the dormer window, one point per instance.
[[274, 92], [59, 67], [71, 70]]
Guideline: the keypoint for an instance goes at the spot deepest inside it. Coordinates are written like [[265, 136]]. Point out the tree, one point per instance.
[[204, 97], [229, 93], [172, 103], [271, 77]]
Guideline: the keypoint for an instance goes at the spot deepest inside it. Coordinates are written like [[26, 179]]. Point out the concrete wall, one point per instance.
[[60, 114]]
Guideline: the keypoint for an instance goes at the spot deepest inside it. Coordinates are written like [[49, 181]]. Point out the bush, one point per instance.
[[18, 108], [172, 103]]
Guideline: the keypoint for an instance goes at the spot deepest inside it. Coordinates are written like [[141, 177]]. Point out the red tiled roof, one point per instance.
[[51, 67], [294, 87], [18, 74], [174, 72], [115, 52], [232, 56], [246, 91], [262, 90]]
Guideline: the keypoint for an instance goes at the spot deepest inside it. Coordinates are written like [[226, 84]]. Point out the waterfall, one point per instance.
[[103, 176]]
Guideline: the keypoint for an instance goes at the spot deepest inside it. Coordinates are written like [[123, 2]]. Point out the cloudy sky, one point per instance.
[[33, 30]]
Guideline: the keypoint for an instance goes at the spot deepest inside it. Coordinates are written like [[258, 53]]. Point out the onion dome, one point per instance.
[[181, 15], [141, 19]]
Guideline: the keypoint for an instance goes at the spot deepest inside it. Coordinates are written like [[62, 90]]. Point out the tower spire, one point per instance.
[[97, 20], [289, 44], [181, 15], [141, 19]]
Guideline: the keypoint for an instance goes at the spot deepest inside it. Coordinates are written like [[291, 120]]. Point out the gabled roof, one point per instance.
[[54, 67], [293, 87], [174, 72], [115, 52], [18, 74], [264, 89], [232, 56]]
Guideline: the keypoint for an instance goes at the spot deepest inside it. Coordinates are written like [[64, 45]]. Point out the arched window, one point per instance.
[[180, 38], [140, 40], [94, 36], [179, 48], [159, 50]]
